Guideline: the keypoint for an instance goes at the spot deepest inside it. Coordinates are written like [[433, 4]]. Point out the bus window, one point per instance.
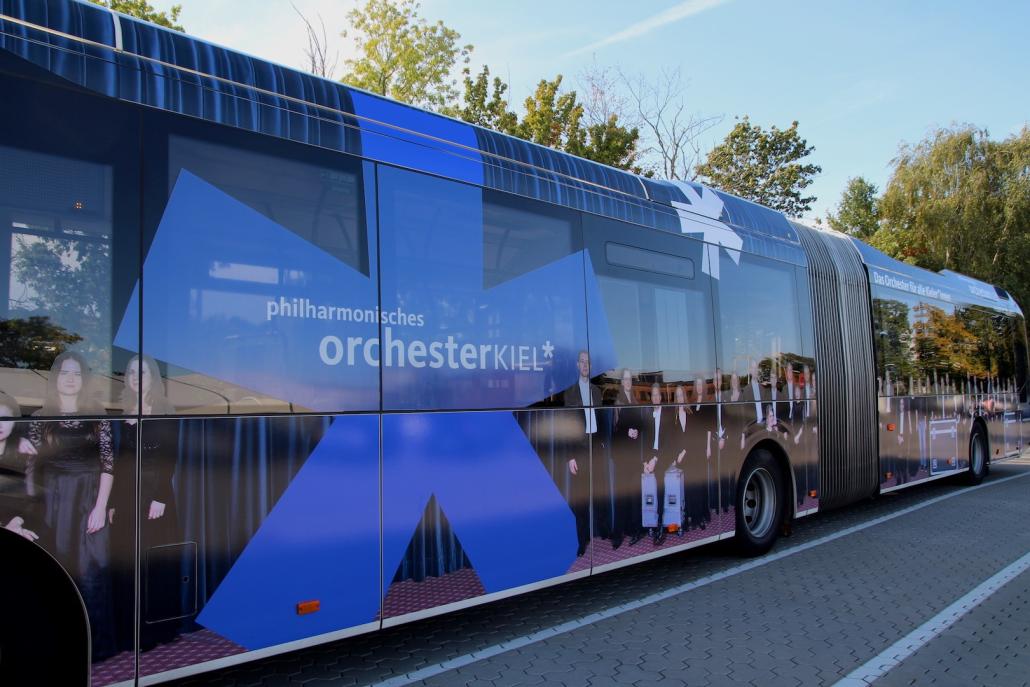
[[488, 292], [658, 306], [259, 258], [759, 324], [68, 243]]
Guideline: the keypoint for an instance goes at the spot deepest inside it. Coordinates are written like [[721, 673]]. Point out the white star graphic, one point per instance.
[[548, 349]]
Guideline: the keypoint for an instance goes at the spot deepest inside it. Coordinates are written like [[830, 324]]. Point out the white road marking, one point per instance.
[[570, 626], [889, 658]]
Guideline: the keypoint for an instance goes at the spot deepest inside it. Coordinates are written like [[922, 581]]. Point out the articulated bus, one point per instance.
[[285, 362]]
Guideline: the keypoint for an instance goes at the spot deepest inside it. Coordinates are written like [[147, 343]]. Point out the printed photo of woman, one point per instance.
[[73, 468], [143, 394]]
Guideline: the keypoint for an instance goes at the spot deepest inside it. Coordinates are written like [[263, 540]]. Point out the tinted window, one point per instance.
[[759, 323], [649, 260], [658, 310], [893, 336], [257, 273], [493, 292], [519, 236], [68, 243]]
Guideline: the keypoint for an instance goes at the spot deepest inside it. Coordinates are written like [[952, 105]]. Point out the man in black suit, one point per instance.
[[583, 394], [627, 453], [657, 447]]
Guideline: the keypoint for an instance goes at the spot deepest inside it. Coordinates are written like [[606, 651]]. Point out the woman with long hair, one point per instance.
[[156, 445], [74, 471]]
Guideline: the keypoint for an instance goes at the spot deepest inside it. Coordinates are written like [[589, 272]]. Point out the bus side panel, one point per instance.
[[255, 532], [482, 502], [645, 492], [69, 247]]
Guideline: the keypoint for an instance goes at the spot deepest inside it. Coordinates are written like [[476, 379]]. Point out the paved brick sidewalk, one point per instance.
[[808, 618], [989, 646]]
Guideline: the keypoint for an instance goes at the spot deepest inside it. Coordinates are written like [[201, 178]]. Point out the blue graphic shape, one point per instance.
[[503, 506], [320, 541], [441, 145], [524, 334], [213, 270]]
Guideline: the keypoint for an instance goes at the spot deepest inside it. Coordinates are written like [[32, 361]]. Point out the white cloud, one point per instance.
[[657, 21]]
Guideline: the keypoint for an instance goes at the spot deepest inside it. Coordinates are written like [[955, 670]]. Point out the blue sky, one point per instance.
[[860, 77]]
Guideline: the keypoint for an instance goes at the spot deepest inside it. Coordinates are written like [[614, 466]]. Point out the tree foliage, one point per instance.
[[763, 166], [33, 342], [958, 200], [857, 212], [403, 56], [484, 103], [553, 117], [70, 280], [142, 9]]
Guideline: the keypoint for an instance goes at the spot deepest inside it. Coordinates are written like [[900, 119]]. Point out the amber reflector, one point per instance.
[[305, 607]]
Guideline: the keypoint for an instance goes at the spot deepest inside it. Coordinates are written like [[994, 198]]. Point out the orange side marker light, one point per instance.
[[306, 607], [891, 426], [813, 494]]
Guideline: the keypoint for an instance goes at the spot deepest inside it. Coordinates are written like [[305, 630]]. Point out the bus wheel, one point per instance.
[[977, 456], [759, 503]]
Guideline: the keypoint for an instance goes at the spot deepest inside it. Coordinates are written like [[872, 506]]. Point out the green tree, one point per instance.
[[958, 200], [143, 10], [70, 280], [612, 144], [33, 342], [402, 56], [554, 118], [484, 104], [857, 213], [763, 166]]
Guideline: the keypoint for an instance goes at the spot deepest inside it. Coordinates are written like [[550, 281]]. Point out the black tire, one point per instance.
[[759, 504], [978, 456]]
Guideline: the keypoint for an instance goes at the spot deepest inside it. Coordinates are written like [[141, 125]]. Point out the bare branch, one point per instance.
[[317, 50], [672, 134]]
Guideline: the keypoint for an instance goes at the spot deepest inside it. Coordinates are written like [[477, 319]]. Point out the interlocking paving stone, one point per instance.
[[988, 646], [806, 619]]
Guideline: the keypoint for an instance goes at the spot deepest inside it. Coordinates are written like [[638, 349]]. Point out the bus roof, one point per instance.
[[946, 285], [137, 61]]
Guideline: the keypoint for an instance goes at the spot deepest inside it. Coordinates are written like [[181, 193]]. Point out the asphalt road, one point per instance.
[[865, 594]]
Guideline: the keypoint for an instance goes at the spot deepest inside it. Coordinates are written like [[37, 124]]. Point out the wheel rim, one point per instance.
[[977, 459], [759, 504]]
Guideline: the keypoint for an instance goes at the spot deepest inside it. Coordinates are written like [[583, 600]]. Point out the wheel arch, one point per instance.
[[50, 643]]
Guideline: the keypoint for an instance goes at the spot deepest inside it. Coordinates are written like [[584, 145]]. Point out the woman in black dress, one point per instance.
[[73, 472], [144, 394]]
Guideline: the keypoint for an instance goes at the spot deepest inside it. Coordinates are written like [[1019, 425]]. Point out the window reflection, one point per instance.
[[760, 326], [926, 347], [56, 215]]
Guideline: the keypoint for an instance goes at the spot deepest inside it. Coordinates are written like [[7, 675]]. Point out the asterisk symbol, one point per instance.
[[548, 349]]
